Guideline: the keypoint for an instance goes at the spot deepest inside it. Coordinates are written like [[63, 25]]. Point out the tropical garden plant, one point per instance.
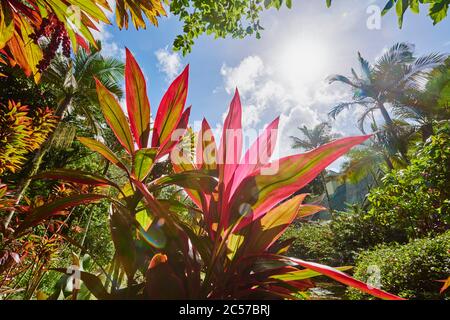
[[314, 138], [228, 248]]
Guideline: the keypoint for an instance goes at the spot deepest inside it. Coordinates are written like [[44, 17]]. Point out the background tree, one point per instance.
[[437, 9], [73, 85], [314, 138], [422, 106], [394, 73]]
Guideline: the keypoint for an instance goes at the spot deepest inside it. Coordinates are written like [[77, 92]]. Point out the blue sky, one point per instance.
[[283, 72]]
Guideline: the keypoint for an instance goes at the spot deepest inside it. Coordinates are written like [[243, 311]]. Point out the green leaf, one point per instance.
[[303, 274], [138, 105], [195, 180], [92, 282], [143, 162], [76, 176], [99, 147], [122, 230], [115, 117], [48, 210]]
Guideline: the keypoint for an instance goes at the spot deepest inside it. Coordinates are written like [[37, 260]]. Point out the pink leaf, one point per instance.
[[170, 109]]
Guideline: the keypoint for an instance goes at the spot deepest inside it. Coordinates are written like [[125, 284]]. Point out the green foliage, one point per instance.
[[411, 270], [437, 9], [338, 242], [313, 242], [417, 198], [411, 202], [220, 18]]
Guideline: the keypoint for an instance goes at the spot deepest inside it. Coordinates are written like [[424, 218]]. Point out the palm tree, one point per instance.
[[314, 138], [394, 73], [425, 105], [72, 82]]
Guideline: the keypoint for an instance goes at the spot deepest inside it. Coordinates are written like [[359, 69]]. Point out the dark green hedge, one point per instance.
[[410, 270]]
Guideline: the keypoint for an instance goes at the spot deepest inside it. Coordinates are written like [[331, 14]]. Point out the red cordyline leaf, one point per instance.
[[249, 182], [176, 134], [46, 211], [115, 117], [206, 151], [258, 154], [170, 109], [230, 149], [264, 192], [138, 105], [265, 231], [346, 279]]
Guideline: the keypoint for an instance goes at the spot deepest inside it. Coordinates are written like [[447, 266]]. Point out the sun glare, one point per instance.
[[303, 61]]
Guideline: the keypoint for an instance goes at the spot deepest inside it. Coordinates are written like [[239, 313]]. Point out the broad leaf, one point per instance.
[[143, 162], [54, 208], [261, 191], [99, 147], [76, 176], [138, 105], [170, 110], [115, 117]]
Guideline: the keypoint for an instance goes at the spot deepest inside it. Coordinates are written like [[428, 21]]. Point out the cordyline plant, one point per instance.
[[230, 249]]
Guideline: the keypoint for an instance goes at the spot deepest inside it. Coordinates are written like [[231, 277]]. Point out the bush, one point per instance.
[[339, 241], [417, 199], [412, 203], [410, 270], [313, 242]]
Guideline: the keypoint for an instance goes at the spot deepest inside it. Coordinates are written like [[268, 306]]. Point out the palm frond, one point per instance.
[[340, 78], [365, 67]]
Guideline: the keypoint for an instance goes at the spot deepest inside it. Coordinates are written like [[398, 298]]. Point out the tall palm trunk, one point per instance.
[[385, 114], [390, 124], [427, 131], [38, 157], [324, 182]]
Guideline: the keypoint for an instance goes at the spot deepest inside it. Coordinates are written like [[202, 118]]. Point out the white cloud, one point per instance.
[[265, 95], [109, 47], [169, 63]]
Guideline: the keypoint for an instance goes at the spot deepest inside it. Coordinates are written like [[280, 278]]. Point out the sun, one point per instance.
[[303, 60]]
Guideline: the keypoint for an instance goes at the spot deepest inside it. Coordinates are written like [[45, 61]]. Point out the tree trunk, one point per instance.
[[427, 131], [385, 114], [327, 194], [38, 157], [390, 124]]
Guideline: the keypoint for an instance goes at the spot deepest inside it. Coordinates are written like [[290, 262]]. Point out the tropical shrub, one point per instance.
[[26, 255], [313, 242], [417, 199], [227, 250], [339, 241], [22, 131], [411, 270]]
